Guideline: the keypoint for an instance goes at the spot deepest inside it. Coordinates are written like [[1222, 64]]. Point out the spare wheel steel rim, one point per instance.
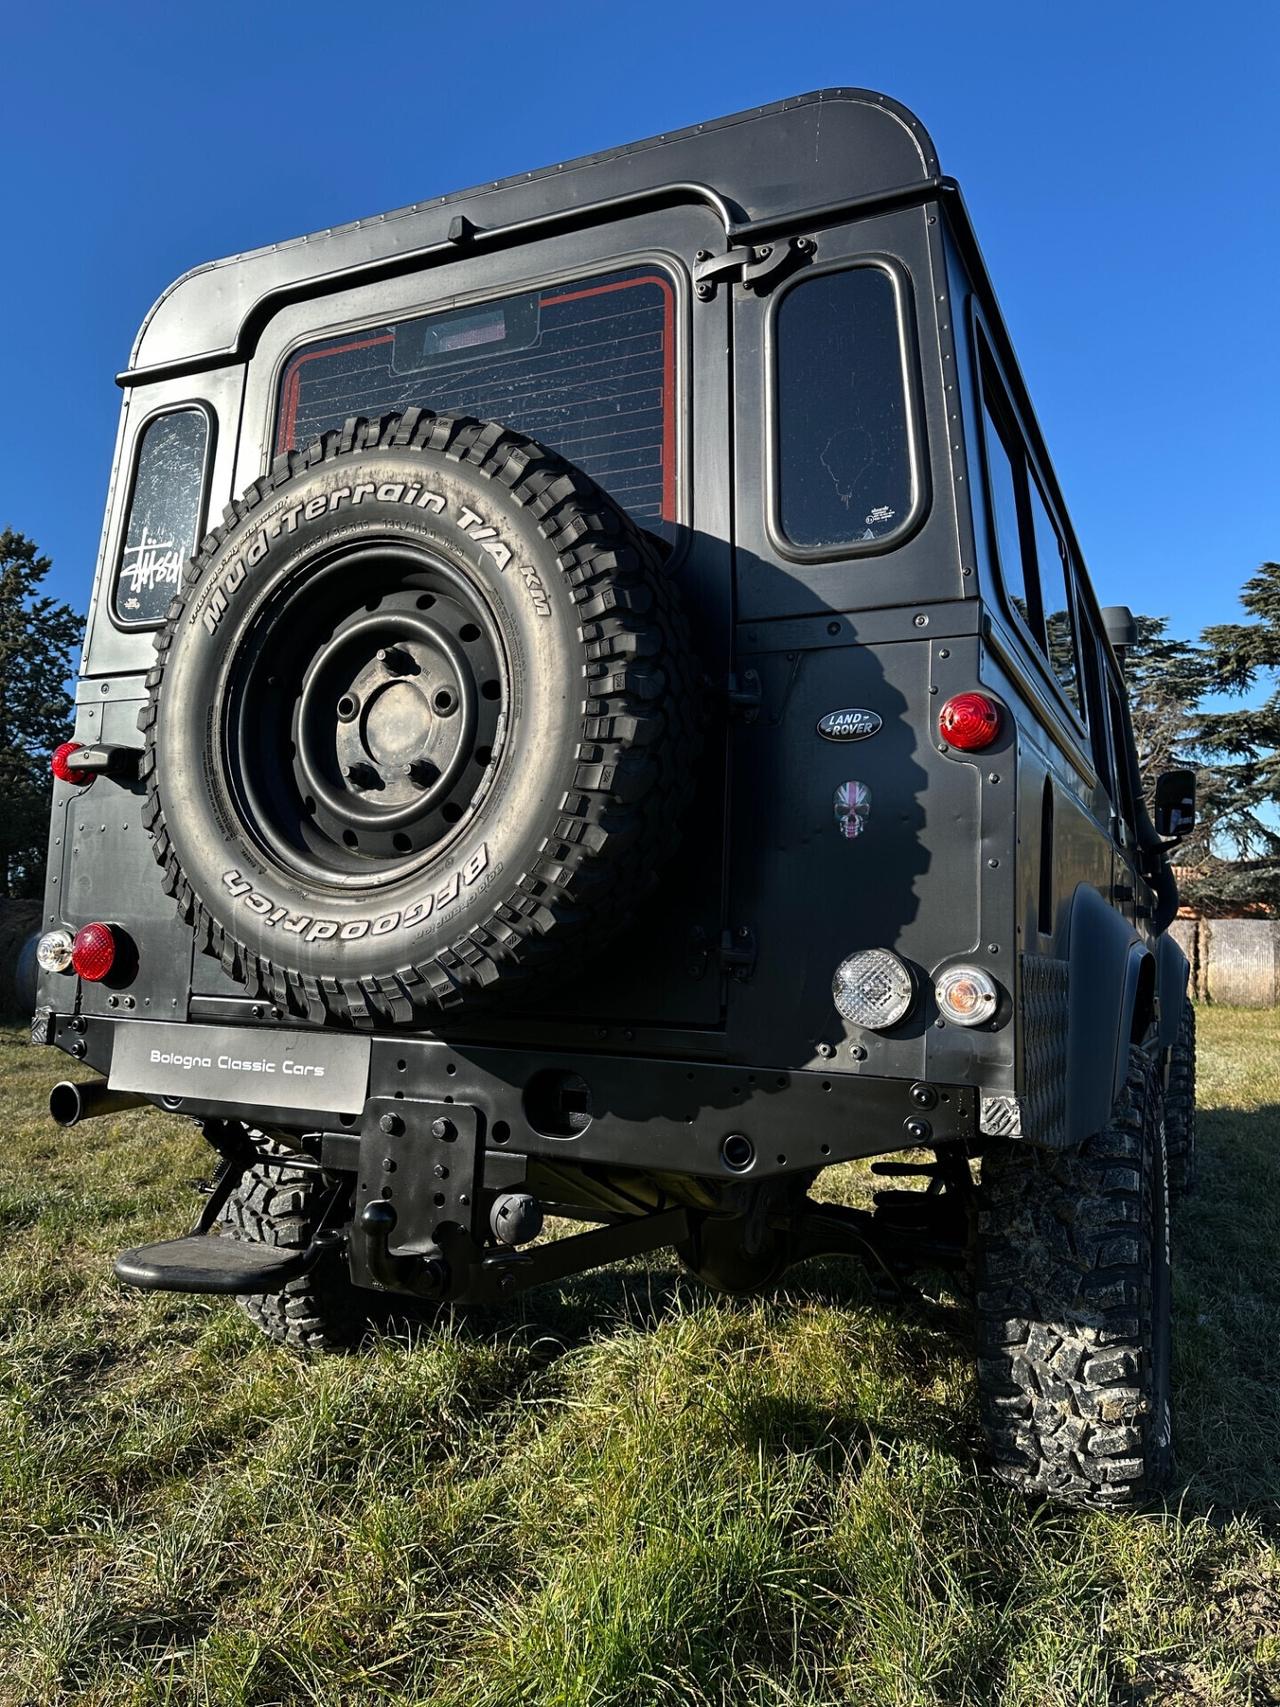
[[363, 714]]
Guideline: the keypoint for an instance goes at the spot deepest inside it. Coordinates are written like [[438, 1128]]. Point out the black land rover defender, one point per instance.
[[592, 706]]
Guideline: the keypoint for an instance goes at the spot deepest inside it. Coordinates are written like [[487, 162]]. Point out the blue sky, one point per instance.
[[1118, 161]]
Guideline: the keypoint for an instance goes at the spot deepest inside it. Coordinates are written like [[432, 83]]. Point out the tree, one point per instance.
[[37, 634], [1242, 786], [1231, 861], [1166, 680]]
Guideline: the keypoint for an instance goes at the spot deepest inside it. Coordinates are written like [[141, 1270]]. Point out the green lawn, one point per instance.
[[619, 1490]]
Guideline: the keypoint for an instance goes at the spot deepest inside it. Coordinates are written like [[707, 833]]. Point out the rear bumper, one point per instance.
[[661, 1115]]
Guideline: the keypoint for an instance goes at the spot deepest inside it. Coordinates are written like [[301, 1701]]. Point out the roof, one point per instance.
[[835, 145]]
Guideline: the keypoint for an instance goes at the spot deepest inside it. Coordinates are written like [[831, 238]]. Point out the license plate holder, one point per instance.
[[266, 1068]]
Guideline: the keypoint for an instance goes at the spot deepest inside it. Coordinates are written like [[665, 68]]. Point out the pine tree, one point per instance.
[[37, 634], [1166, 680], [1242, 789]]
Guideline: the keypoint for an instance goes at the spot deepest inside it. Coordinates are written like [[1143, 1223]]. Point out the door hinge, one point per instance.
[[755, 270], [738, 953]]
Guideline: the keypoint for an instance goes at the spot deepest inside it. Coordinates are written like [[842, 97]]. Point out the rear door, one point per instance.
[[587, 343]]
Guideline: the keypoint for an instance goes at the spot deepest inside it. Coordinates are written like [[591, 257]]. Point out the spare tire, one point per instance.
[[420, 723]]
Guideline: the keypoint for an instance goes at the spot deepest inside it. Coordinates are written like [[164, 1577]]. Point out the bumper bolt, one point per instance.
[[443, 1128], [924, 1096], [392, 1125], [919, 1131]]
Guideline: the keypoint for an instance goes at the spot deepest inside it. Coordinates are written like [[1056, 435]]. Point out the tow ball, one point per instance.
[[424, 1275]]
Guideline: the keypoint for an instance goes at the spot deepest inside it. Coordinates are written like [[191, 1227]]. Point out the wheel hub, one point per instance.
[[366, 730]]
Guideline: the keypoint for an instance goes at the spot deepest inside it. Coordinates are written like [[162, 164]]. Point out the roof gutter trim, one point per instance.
[[464, 235]]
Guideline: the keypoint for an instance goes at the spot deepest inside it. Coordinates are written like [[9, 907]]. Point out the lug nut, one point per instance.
[[421, 773], [361, 775]]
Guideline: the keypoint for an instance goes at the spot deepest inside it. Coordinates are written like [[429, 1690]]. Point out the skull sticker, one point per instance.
[[852, 808]]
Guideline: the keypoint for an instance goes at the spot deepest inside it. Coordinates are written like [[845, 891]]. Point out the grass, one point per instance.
[[620, 1490]]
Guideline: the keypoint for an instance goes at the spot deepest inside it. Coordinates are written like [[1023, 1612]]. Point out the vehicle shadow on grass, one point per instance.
[[1226, 1329], [921, 1337]]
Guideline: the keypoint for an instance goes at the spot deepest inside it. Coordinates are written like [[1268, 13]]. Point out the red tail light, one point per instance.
[[969, 721], [93, 953], [63, 765]]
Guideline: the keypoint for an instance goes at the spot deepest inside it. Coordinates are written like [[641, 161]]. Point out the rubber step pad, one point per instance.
[[207, 1262]]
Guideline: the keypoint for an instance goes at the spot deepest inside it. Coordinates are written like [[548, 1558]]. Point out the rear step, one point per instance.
[[208, 1262]]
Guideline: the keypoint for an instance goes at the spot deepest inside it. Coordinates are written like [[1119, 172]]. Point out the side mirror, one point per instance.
[[1175, 804], [1121, 630]]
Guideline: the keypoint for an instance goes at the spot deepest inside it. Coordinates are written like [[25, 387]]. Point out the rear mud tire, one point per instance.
[[276, 1203], [1073, 1305], [1180, 1105]]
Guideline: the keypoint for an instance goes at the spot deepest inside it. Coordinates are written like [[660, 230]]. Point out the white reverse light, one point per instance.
[[53, 951], [966, 995], [873, 988]]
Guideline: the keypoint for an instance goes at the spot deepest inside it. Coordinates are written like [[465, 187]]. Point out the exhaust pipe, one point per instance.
[[69, 1104]]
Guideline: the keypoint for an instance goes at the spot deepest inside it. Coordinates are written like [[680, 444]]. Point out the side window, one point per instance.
[[1034, 568], [844, 470], [588, 368], [1093, 677], [164, 516], [1005, 476], [1123, 796], [1061, 647]]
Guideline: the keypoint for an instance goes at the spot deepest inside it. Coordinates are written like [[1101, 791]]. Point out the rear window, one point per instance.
[[164, 516], [844, 471], [586, 368]]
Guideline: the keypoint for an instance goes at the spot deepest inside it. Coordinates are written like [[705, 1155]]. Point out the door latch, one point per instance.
[[738, 953], [745, 696]]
